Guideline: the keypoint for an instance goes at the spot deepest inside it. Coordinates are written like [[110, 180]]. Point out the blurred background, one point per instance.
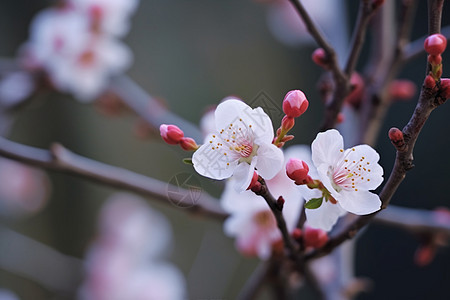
[[191, 54]]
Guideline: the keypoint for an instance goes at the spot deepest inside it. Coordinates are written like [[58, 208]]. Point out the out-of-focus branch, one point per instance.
[[255, 282], [62, 160], [25, 257], [415, 220], [148, 108], [384, 67], [366, 10], [276, 206]]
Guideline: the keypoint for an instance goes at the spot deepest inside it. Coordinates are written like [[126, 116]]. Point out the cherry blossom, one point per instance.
[[77, 59], [347, 175], [251, 221], [242, 142]]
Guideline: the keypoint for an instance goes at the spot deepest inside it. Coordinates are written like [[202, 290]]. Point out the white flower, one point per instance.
[[124, 261], [77, 60], [111, 16], [16, 87], [242, 142], [348, 175], [251, 221]]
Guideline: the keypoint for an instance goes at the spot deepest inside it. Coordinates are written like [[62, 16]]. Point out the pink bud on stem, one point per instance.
[[435, 44], [295, 104], [397, 139], [171, 134], [297, 170]]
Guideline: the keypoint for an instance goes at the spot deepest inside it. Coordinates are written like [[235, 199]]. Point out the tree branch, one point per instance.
[[414, 220], [62, 160], [366, 11], [148, 108], [276, 206]]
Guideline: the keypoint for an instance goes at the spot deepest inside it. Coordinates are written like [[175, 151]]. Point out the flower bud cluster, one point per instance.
[[435, 45], [173, 135], [294, 105]]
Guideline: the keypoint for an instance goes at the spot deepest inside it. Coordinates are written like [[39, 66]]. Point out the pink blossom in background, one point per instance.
[[111, 16], [77, 57], [124, 261], [23, 190], [15, 87]]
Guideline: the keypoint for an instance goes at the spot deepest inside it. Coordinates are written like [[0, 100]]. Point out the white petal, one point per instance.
[[243, 174], [262, 125], [326, 148], [213, 163], [359, 203], [322, 171], [371, 172], [270, 160], [228, 112], [325, 216], [234, 111]]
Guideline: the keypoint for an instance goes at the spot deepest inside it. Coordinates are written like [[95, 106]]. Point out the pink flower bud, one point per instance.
[[254, 180], [435, 44], [356, 95], [297, 170], [188, 144], [429, 82], [396, 137], [424, 255], [295, 103], [445, 88], [171, 134], [340, 118], [287, 123], [402, 89], [319, 57], [435, 59], [315, 238]]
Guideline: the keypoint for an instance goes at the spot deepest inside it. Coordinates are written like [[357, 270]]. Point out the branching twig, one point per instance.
[[62, 160], [429, 99], [291, 246], [255, 282]]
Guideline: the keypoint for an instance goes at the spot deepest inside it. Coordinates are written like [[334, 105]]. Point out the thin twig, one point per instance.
[[414, 220], [291, 246], [62, 160], [366, 11]]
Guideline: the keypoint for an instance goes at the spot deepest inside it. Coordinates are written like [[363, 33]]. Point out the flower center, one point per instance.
[[349, 172], [264, 219]]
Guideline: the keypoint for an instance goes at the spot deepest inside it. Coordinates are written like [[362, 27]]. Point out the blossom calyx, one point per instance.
[[435, 44], [171, 134], [445, 88], [295, 103], [287, 123], [188, 144], [297, 170]]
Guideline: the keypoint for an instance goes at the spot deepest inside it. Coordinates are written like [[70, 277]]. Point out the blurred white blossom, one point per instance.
[[124, 261], [251, 221]]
